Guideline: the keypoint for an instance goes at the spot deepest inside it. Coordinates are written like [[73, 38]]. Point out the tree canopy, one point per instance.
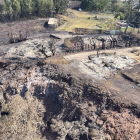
[[13, 9]]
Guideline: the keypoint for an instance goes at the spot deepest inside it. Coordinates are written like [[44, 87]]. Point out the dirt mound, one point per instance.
[[133, 74]]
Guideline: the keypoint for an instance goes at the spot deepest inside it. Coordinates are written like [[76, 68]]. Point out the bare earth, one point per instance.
[[96, 99]]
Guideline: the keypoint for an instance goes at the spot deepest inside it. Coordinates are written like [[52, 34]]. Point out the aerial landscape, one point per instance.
[[69, 70]]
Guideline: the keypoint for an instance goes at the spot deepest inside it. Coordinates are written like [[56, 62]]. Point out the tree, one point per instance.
[[8, 9], [1, 8], [129, 17], [121, 15], [26, 8], [60, 6], [16, 8]]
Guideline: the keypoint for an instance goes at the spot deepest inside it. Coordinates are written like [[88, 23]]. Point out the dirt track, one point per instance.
[[84, 55]]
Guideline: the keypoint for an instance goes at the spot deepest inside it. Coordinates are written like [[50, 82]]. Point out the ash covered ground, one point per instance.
[[74, 96]]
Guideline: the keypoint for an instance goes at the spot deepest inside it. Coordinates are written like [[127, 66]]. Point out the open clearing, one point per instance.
[[76, 19], [80, 20]]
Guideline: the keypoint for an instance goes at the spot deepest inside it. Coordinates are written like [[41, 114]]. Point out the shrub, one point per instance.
[[22, 118], [121, 15]]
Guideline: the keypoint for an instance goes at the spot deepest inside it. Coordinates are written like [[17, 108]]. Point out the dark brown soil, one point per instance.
[[34, 27]]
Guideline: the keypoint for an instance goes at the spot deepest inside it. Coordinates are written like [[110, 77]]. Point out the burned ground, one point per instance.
[[76, 106], [33, 28], [61, 98]]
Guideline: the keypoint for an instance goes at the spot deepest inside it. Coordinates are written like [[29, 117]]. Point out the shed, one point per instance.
[[75, 4], [114, 32], [53, 22]]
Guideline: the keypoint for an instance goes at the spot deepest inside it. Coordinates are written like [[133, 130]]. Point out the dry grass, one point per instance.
[[81, 21], [24, 119], [68, 43]]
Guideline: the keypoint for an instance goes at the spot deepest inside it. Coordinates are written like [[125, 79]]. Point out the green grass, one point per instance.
[[82, 21], [130, 29]]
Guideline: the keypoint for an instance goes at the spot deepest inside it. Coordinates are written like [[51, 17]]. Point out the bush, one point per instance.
[[121, 15]]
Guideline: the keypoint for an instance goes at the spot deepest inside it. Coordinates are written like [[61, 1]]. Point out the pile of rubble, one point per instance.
[[105, 65], [33, 49]]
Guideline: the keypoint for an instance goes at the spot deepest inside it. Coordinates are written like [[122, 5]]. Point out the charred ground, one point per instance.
[[62, 98]]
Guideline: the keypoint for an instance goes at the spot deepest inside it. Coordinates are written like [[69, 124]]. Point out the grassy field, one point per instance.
[[81, 20], [87, 20]]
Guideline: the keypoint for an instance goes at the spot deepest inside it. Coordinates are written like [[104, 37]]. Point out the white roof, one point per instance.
[[53, 21]]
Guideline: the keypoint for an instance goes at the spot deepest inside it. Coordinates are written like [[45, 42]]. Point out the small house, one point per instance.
[[53, 22]]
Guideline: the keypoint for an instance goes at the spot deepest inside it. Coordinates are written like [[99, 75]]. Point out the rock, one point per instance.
[[83, 118]]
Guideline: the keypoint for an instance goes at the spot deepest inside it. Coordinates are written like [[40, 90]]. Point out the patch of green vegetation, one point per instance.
[[128, 29], [84, 20]]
